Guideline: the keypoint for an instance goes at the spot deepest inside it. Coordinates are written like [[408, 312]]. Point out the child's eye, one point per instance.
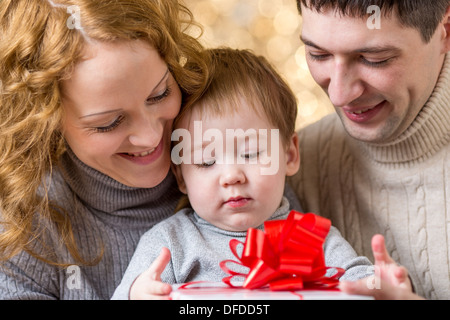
[[251, 155], [207, 164]]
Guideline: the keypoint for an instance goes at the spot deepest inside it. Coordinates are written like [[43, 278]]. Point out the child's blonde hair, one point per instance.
[[235, 74], [38, 48]]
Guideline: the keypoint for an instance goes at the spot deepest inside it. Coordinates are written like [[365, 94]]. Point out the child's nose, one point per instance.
[[232, 174]]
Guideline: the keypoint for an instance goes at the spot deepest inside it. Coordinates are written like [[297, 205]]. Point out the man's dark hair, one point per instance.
[[423, 15]]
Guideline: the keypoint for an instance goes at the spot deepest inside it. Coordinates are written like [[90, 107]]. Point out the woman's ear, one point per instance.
[[292, 156], [176, 169]]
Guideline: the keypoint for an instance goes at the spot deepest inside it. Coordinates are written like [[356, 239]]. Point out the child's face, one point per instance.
[[226, 188]]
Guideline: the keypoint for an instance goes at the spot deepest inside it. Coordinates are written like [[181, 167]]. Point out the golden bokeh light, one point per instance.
[[270, 28]]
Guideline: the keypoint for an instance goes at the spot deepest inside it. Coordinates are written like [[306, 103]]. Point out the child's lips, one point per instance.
[[237, 202]]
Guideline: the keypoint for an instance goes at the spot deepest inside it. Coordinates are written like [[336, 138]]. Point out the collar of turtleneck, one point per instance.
[[428, 134], [115, 202]]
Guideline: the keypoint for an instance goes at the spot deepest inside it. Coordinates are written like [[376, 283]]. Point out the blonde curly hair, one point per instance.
[[39, 48]]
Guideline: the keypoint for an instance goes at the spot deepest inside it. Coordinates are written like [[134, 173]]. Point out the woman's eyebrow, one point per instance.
[[116, 110], [100, 113], [162, 79]]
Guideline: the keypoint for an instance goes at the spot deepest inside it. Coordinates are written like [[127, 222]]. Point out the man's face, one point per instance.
[[377, 79]]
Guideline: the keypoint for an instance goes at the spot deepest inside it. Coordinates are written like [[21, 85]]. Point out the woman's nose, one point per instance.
[[146, 132]]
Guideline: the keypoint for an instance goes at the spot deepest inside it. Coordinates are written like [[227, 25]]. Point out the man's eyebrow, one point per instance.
[[379, 49], [116, 110], [309, 43], [374, 49]]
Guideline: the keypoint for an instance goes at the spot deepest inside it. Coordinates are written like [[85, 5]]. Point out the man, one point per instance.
[[381, 163]]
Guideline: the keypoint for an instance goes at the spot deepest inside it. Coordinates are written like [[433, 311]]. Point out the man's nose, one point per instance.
[[345, 85]]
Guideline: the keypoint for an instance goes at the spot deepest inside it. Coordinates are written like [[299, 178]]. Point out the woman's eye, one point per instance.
[[158, 98], [110, 127]]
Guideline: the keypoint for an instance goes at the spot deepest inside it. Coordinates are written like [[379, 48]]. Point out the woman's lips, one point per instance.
[[361, 115], [142, 154], [144, 157]]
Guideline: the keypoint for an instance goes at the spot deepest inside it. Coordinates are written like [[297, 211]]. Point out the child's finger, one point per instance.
[[158, 266], [385, 292], [401, 274], [160, 288], [380, 252]]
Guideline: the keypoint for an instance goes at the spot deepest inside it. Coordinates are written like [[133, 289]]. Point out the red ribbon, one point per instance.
[[288, 256]]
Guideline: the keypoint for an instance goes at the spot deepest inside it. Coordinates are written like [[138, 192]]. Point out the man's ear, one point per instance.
[[176, 169], [292, 156], [446, 31]]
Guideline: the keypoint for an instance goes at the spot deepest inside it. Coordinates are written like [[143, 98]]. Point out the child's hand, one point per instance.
[[148, 285], [391, 281], [388, 270]]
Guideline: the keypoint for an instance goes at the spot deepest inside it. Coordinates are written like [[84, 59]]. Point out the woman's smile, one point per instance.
[[145, 157]]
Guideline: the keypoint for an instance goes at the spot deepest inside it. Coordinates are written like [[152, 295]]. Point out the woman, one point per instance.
[[89, 90]]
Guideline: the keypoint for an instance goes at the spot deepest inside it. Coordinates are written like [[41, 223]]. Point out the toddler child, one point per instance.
[[236, 145]]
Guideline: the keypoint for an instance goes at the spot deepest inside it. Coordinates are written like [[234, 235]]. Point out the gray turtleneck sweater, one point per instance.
[[197, 247], [106, 215], [399, 189]]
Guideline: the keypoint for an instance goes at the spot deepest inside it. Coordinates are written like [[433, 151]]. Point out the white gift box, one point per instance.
[[220, 291]]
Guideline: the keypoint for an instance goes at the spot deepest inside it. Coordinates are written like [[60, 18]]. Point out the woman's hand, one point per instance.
[[148, 285], [390, 281]]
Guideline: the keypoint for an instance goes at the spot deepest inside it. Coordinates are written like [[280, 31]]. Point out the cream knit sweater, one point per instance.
[[401, 189]]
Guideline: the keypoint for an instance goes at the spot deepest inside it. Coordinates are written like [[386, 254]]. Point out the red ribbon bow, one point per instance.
[[288, 256]]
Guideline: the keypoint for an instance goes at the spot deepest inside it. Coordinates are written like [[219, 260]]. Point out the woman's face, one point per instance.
[[119, 105]]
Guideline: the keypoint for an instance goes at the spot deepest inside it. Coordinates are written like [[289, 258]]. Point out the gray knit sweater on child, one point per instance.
[[197, 247]]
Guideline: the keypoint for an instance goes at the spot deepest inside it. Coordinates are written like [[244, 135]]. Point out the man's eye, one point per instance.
[[318, 57], [374, 64]]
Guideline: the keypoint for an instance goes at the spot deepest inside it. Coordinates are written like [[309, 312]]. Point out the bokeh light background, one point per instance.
[[270, 28]]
